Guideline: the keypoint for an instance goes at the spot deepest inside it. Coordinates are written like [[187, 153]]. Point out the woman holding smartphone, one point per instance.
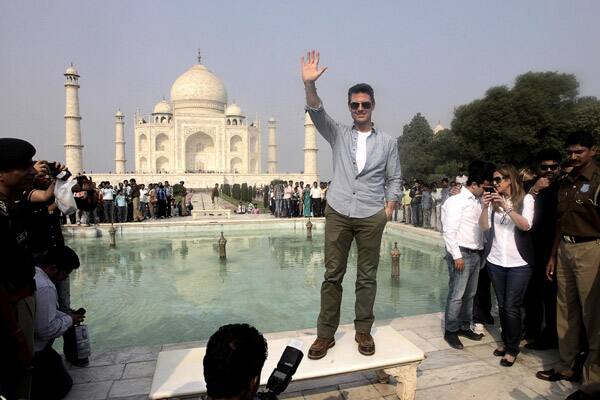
[[506, 218]]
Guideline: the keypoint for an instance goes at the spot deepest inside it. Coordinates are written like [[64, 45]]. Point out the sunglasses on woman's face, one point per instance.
[[498, 179], [366, 105]]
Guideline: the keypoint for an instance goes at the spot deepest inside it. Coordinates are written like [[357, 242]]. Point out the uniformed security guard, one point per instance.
[[17, 287], [577, 250]]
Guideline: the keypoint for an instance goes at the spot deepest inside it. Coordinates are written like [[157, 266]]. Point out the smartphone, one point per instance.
[[489, 189]]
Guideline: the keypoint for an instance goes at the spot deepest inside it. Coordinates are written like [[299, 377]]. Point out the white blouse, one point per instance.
[[504, 250]]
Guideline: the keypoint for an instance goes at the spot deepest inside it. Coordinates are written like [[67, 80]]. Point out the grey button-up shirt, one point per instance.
[[359, 195]]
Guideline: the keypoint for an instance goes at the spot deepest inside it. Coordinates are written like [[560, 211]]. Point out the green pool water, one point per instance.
[[169, 288]]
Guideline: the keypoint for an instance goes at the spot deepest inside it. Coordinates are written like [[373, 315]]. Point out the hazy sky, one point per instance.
[[421, 56]]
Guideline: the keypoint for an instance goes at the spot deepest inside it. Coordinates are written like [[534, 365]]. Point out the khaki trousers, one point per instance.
[[340, 231], [578, 308], [137, 213]]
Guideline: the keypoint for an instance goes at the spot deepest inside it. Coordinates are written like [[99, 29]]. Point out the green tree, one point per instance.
[[507, 125], [236, 191], [587, 116], [413, 146]]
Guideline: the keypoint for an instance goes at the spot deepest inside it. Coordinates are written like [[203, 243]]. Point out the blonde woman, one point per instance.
[[506, 218]]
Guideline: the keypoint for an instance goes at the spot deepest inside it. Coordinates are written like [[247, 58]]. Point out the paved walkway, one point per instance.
[[446, 374]]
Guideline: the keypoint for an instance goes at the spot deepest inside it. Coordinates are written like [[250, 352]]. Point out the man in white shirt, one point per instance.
[[315, 194], [464, 245], [50, 378], [287, 199], [108, 197]]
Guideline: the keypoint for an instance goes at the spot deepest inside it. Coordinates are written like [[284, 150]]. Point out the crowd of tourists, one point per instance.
[[297, 199], [501, 230], [128, 201]]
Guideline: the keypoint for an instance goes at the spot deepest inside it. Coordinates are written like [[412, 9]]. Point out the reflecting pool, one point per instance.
[[165, 288]]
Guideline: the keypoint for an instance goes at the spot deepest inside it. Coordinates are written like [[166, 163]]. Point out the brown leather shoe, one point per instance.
[[319, 348], [366, 344]]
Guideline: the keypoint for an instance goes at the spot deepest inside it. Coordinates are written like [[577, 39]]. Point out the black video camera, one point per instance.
[[282, 375], [60, 175]]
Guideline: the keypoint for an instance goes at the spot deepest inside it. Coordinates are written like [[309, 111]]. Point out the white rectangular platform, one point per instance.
[[179, 373]]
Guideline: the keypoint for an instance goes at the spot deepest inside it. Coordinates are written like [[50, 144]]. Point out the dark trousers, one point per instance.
[[50, 378], [340, 231], [316, 207], [162, 208], [540, 307], [168, 207], [482, 303], [122, 214], [417, 214], [109, 210], [510, 285]]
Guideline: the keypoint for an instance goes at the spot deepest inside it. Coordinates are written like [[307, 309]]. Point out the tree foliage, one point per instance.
[[507, 125]]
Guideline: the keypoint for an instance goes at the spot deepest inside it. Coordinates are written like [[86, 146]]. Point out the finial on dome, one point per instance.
[[199, 57]]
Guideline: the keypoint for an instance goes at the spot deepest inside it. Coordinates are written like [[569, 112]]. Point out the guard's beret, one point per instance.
[[15, 153]]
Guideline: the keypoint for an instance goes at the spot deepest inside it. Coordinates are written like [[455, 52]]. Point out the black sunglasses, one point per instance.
[[498, 179], [549, 167], [365, 105]]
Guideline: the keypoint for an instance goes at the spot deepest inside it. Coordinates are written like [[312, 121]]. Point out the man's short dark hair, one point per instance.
[[480, 171], [235, 354], [582, 138], [63, 257], [549, 153], [362, 88]]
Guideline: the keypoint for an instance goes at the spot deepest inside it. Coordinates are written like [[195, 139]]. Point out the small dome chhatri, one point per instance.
[[162, 107], [71, 71], [233, 111]]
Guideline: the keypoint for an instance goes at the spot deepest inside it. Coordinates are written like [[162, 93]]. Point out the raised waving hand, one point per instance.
[[310, 67]]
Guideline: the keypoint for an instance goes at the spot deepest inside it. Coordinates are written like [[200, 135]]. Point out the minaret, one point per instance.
[[119, 143], [73, 146], [310, 146], [272, 147]]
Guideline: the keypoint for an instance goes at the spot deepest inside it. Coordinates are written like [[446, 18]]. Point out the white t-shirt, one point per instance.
[[315, 192], [143, 195], [361, 149], [107, 194], [504, 250]]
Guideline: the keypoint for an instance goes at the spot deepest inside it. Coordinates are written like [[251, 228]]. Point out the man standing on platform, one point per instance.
[[575, 262], [366, 174]]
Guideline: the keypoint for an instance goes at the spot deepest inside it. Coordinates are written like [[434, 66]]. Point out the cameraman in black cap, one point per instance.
[[17, 286]]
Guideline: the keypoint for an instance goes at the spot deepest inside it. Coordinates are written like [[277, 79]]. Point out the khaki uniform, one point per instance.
[[578, 273]]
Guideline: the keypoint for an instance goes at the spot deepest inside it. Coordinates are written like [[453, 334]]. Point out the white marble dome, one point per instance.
[[71, 71], [162, 107], [234, 111], [119, 114], [198, 84]]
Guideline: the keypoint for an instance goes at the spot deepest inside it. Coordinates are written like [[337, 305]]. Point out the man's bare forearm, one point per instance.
[[312, 98]]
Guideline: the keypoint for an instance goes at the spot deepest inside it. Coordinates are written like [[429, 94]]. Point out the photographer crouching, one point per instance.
[[50, 377], [234, 359]]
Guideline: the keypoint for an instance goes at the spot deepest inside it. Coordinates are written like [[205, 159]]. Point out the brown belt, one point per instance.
[[578, 239]]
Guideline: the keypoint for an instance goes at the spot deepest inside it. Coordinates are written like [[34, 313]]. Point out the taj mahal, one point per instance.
[[197, 136]]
